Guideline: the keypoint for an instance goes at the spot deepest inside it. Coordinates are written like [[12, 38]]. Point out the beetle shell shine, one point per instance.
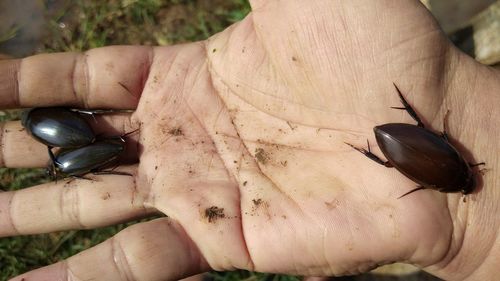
[[58, 127], [424, 157], [85, 159]]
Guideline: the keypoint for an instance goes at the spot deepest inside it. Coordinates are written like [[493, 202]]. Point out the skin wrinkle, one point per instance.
[[230, 175], [134, 194], [86, 75], [184, 71], [480, 221], [259, 168], [73, 86], [170, 63], [147, 70], [325, 243], [307, 76], [17, 71], [436, 32], [447, 255], [448, 77], [354, 41], [487, 254], [280, 190], [9, 215], [2, 145], [281, 145], [120, 260], [266, 55], [211, 72], [214, 73], [70, 206], [68, 274], [219, 113]]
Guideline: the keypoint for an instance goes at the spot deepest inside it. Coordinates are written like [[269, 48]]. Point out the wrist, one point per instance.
[[472, 97]]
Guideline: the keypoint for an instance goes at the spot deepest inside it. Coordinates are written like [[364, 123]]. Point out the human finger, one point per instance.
[[72, 204], [109, 77], [155, 250], [20, 150]]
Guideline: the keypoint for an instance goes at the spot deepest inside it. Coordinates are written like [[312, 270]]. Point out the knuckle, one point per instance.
[[120, 261], [70, 207]]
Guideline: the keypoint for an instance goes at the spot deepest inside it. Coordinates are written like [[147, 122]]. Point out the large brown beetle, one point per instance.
[[421, 155]]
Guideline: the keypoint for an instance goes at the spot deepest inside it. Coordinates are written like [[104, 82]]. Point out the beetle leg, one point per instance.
[[111, 172], [370, 155], [408, 108], [53, 157], [100, 111], [411, 191], [129, 133], [118, 138], [77, 177], [51, 154], [54, 162], [93, 112]]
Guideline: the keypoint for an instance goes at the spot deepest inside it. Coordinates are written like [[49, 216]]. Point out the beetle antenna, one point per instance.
[[122, 137], [411, 191], [129, 133]]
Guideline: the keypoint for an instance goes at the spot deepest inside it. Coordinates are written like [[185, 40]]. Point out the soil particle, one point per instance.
[[106, 196], [213, 213], [176, 132], [260, 207], [332, 204], [261, 155], [257, 202]]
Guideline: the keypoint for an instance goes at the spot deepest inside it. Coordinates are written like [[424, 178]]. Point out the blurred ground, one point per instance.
[[33, 26], [29, 26]]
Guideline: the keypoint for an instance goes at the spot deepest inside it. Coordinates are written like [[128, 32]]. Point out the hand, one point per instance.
[[241, 145]]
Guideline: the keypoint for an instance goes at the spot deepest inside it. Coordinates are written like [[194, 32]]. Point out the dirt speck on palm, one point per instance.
[[214, 213]]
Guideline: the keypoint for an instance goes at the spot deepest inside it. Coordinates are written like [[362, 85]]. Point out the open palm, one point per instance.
[[241, 145]]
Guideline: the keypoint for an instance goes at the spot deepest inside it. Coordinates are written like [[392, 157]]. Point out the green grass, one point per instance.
[[89, 24], [9, 33]]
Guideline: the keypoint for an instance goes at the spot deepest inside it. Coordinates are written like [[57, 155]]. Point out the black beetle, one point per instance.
[[79, 161], [58, 127], [421, 155]]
